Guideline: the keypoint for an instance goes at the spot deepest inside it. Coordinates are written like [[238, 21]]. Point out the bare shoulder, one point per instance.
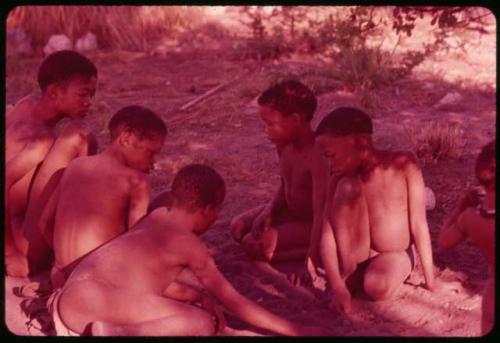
[[137, 180], [402, 160], [348, 188]]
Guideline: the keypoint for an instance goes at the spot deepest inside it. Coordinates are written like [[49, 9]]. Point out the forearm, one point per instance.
[[256, 315], [330, 260], [424, 249]]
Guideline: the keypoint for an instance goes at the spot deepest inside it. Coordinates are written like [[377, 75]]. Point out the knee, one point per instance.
[[377, 288], [260, 249], [80, 137], [203, 324]]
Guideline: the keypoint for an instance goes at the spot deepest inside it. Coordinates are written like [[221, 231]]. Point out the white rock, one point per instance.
[[87, 42], [430, 199], [452, 98], [18, 42], [57, 43]]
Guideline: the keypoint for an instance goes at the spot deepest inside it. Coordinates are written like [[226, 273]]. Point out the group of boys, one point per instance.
[[122, 265]]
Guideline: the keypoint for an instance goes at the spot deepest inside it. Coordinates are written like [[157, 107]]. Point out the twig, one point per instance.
[[203, 96]]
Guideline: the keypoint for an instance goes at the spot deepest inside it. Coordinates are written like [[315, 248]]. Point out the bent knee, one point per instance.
[[202, 324], [378, 288], [80, 137], [261, 249]]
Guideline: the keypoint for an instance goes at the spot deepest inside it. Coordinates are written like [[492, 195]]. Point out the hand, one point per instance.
[[309, 274], [341, 300], [261, 224], [445, 286], [209, 305]]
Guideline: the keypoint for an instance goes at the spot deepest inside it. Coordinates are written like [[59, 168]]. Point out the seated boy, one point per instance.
[[127, 287], [374, 213], [101, 196], [67, 81], [475, 219], [288, 226]]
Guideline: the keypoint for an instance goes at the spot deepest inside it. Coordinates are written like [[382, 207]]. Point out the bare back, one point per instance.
[[152, 255], [297, 181], [93, 205], [386, 192]]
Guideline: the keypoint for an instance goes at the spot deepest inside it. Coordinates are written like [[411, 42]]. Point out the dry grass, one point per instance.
[[437, 141], [119, 27]]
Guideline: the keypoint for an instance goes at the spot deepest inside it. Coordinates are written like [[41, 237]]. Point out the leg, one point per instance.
[[16, 263], [283, 242], [40, 243], [385, 273], [74, 141], [242, 224], [118, 311]]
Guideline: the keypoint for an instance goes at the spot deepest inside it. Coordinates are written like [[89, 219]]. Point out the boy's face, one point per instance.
[[140, 152], [209, 215], [341, 152], [73, 98], [279, 128]]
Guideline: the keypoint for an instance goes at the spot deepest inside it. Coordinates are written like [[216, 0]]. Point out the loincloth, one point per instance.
[[53, 307]]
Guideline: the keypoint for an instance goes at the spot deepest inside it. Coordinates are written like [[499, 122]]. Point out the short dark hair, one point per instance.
[[288, 97], [487, 160], [345, 121], [64, 65], [197, 186], [140, 120]]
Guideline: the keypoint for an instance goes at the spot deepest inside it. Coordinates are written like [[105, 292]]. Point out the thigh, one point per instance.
[[390, 269], [89, 300], [249, 216], [294, 234]]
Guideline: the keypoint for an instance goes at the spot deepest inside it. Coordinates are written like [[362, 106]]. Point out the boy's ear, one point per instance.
[[125, 138], [52, 90]]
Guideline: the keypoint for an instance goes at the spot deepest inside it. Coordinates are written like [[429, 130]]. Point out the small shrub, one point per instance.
[[437, 141]]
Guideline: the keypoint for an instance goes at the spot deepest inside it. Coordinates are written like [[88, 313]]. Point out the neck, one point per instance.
[[305, 138], [114, 152], [44, 111], [182, 219], [369, 162]]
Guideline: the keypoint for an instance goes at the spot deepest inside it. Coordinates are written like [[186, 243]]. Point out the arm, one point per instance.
[[263, 220], [203, 266], [139, 199], [320, 181], [452, 233], [418, 221]]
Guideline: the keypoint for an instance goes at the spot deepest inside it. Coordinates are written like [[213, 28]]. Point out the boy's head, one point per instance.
[[68, 80], [200, 190], [486, 166], [285, 108], [345, 136], [139, 133]]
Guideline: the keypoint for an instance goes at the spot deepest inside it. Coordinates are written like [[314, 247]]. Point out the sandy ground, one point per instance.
[[225, 132]]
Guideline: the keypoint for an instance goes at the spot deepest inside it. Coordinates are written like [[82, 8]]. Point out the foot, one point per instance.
[[98, 328]]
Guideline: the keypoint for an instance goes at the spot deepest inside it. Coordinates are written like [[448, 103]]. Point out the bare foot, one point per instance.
[[99, 328]]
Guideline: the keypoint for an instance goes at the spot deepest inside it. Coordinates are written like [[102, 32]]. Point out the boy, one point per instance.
[[288, 226], [374, 214], [476, 220], [68, 82], [101, 196], [127, 287]]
